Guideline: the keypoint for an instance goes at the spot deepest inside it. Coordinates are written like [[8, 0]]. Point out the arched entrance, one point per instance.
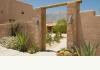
[[73, 13]]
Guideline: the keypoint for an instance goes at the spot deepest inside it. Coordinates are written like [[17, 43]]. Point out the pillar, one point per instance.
[[43, 29], [74, 31], [40, 27]]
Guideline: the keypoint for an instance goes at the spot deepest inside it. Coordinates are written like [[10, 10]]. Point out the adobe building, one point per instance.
[[85, 26], [12, 10]]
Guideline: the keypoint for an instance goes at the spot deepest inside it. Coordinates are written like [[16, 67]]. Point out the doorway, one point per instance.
[[56, 28]]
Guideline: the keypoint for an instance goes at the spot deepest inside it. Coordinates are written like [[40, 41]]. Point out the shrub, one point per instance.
[[49, 38], [60, 27], [86, 49], [33, 48], [9, 42], [18, 43], [57, 37], [22, 40]]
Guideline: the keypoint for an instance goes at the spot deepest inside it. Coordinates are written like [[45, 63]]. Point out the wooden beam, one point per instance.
[[80, 1], [61, 4], [55, 5]]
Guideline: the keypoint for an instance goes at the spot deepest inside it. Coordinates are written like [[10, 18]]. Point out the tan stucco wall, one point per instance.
[[5, 30], [4, 10], [22, 7], [91, 28], [11, 9]]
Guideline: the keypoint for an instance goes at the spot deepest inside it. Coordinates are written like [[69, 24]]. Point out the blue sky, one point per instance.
[[86, 4]]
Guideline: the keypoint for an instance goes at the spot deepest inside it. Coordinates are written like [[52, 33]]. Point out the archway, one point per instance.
[[73, 34]]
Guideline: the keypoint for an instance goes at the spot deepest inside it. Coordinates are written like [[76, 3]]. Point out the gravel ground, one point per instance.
[[10, 52], [58, 46]]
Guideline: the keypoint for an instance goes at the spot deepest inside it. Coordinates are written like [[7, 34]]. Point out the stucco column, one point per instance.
[[74, 36], [43, 28], [40, 25]]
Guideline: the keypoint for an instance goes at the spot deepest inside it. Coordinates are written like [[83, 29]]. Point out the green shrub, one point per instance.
[[18, 43], [86, 49], [60, 27], [57, 37], [22, 40], [49, 38], [33, 48]]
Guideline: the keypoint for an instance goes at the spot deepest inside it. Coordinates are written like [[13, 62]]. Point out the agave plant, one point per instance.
[[87, 49]]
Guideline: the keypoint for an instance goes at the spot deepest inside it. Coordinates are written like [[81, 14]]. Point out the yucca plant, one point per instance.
[[86, 49], [21, 41]]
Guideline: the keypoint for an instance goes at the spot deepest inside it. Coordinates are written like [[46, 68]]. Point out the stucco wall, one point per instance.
[[91, 27], [4, 10], [12, 9], [4, 30], [22, 11]]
